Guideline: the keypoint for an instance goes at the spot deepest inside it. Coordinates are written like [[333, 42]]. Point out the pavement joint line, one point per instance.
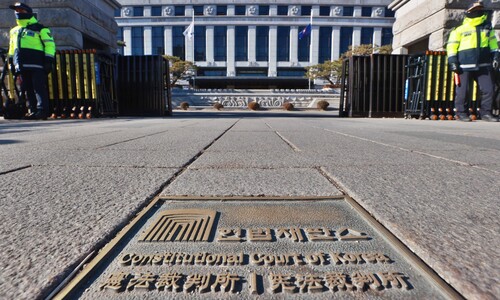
[[62, 291], [325, 174], [15, 170], [294, 148], [411, 150], [290, 144], [132, 139]]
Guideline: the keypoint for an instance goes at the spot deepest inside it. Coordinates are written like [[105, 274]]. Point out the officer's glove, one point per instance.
[[455, 68], [47, 67]]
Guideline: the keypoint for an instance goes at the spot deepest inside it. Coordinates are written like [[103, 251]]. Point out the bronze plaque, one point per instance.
[[311, 248]]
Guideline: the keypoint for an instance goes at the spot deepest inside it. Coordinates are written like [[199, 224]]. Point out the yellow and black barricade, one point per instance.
[[430, 88], [77, 87]]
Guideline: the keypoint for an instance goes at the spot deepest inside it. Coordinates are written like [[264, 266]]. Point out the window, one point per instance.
[[283, 53], [212, 72], [198, 10], [137, 41], [345, 39], [348, 11], [118, 12], [325, 44], [220, 43], [156, 11], [262, 42], [304, 47], [241, 43], [200, 45], [305, 10], [284, 72], [366, 36], [282, 10], [366, 11], [178, 42], [263, 10], [138, 11], [179, 10], [240, 10], [221, 10], [157, 44], [324, 11], [389, 13], [386, 36], [251, 72]]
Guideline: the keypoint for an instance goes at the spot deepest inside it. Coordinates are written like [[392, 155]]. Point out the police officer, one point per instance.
[[473, 54], [31, 52]]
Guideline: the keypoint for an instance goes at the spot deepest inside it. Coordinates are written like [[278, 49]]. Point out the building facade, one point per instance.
[[252, 39], [75, 24], [425, 24]]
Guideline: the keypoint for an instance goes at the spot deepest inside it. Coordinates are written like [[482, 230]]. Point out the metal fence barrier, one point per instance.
[[144, 86], [373, 86]]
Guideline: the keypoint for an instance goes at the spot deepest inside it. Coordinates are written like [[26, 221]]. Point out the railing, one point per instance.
[[373, 86]]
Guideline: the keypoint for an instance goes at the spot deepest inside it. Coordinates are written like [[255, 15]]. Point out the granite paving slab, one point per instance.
[[250, 141], [253, 159], [415, 203], [53, 216], [251, 182]]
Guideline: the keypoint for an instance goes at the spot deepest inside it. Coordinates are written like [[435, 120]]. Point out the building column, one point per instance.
[[127, 38], [209, 37], [148, 40], [273, 48], [168, 40], [231, 68], [252, 43], [294, 44], [356, 36], [335, 42], [377, 36], [314, 45]]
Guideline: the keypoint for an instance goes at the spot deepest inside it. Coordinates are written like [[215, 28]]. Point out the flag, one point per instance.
[[305, 32], [189, 32]]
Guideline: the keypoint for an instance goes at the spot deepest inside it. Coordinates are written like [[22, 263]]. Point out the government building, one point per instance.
[[252, 44]]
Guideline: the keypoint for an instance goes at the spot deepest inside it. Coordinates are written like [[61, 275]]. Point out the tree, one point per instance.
[[367, 49], [331, 71], [179, 69]]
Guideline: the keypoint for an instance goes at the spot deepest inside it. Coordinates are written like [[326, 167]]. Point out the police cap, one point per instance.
[[475, 6], [19, 5]]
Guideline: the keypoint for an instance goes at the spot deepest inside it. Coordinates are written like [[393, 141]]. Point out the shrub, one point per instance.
[[322, 104], [288, 106], [184, 105], [218, 106], [254, 105]]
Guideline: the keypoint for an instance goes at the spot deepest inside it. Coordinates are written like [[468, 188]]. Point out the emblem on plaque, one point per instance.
[[181, 225]]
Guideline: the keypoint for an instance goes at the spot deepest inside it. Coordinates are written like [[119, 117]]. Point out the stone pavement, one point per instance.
[[68, 186]]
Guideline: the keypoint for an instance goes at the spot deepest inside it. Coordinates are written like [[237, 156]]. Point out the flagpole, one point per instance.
[[310, 45], [192, 51]]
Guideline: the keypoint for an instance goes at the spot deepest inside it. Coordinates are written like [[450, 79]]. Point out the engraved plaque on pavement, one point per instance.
[[313, 249]]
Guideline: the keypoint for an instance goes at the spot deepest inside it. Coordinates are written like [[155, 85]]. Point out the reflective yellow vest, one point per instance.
[[472, 44], [31, 45]]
